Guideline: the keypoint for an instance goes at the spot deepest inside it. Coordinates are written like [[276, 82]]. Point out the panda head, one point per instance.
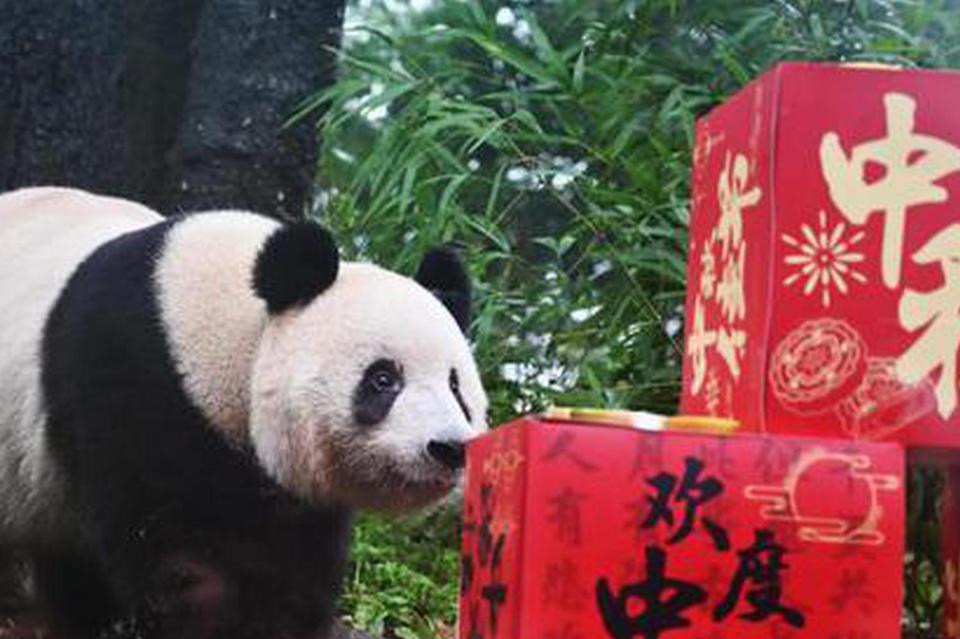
[[364, 389]]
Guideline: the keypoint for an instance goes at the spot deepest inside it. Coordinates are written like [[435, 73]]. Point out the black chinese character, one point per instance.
[[851, 551], [484, 563], [562, 587], [565, 514], [567, 632], [692, 493], [467, 564], [466, 574], [562, 446], [490, 551], [720, 459], [775, 457], [664, 601], [648, 453], [473, 616], [495, 594], [760, 565], [853, 589]]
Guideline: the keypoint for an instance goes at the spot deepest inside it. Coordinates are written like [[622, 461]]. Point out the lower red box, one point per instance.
[[577, 531]]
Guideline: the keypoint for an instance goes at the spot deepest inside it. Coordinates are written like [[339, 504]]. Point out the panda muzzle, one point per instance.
[[450, 453]]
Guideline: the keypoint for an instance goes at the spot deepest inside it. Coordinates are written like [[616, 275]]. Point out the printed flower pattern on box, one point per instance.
[[817, 365], [824, 259], [823, 366]]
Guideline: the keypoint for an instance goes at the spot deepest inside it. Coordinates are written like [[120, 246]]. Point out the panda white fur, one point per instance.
[[191, 408]]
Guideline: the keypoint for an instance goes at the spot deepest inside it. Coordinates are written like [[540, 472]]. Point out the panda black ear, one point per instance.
[[296, 263], [442, 273]]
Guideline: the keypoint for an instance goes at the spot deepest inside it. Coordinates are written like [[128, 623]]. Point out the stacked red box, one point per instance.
[[823, 312], [576, 531], [824, 264]]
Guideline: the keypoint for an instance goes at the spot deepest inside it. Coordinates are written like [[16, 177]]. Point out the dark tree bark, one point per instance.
[[179, 104], [61, 119]]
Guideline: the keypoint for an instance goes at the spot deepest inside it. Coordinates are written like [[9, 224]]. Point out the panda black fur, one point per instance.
[[192, 409]]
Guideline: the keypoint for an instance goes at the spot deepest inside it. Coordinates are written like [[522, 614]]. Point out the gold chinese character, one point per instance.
[[938, 314], [724, 282], [733, 196], [712, 394], [911, 163], [708, 270], [698, 343], [733, 303], [730, 347]]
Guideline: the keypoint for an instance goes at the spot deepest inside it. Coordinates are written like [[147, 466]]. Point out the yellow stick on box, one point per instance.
[[643, 420]]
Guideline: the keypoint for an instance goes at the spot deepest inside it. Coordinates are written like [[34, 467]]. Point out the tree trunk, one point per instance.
[[61, 116], [179, 104]]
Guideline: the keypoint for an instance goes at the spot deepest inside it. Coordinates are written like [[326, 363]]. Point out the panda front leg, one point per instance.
[[275, 582], [164, 588], [185, 598], [71, 585], [277, 577]]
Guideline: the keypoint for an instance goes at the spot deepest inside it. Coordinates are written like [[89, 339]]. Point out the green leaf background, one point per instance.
[[551, 140]]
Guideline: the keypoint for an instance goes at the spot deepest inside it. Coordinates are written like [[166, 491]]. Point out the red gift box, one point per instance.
[[824, 265], [576, 531]]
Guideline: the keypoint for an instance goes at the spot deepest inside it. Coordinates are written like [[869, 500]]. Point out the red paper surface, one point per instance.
[[824, 277], [561, 518]]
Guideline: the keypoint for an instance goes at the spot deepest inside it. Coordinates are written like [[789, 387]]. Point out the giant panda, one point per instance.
[[191, 409]]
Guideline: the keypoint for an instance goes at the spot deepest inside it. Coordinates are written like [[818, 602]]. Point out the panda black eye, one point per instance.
[[454, 381], [383, 381], [384, 377], [378, 389]]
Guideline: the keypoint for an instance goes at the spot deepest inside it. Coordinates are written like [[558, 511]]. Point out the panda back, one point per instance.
[[45, 233]]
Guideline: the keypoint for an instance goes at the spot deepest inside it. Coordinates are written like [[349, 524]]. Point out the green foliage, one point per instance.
[[404, 576], [552, 141], [923, 591]]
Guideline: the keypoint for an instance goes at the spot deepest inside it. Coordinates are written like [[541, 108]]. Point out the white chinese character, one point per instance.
[[712, 394], [730, 346], [724, 282], [911, 163], [698, 343], [730, 296], [938, 314], [708, 270], [733, 196]]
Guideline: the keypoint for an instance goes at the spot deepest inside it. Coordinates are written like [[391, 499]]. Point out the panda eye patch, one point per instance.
[[383, 376], [374, 396], [455, 389], [383, 381]]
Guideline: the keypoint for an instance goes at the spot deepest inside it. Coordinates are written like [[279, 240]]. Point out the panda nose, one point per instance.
[[450, 453]]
